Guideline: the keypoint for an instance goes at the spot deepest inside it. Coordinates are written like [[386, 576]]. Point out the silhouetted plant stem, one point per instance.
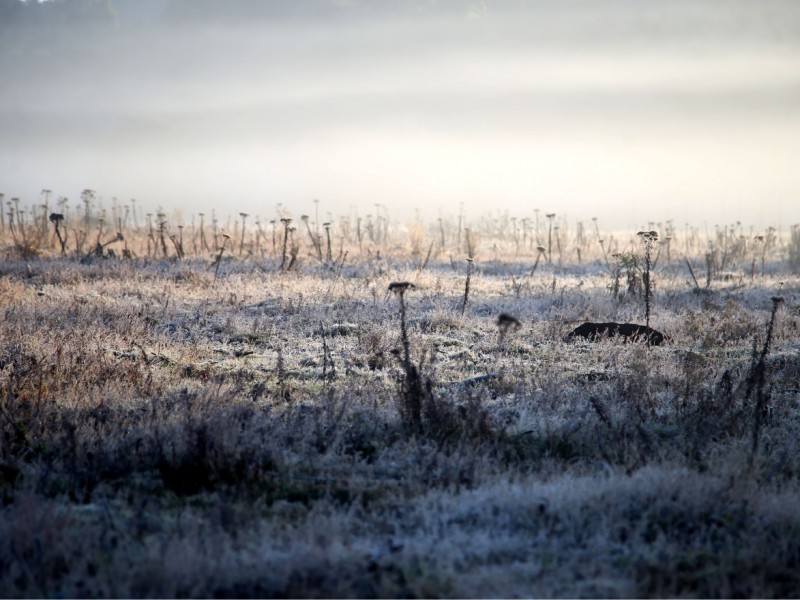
[[203, 242], [286, 223], [550, 218], [328, 254], [218, 261], [756, 381], [241, 241], [57, 219], [649, 238], [413, 392], [427, 258], [466, 285]]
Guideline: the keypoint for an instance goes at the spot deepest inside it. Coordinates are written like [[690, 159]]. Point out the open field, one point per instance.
[[199, 415]]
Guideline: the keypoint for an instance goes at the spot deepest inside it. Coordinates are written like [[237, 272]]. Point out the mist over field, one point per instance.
[[627, 111], [233, 388]]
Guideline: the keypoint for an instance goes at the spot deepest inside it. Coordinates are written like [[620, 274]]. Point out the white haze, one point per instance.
[[629, 111]]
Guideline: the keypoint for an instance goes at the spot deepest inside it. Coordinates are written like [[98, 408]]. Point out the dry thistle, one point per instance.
[[399, 288], [286, 225], [550, 217], [466, 284], [756, 380], [56, 219], [218, 260], [648, 238], [412, 388], [311, 236], [244, 216], [540, 250], [328, 255]]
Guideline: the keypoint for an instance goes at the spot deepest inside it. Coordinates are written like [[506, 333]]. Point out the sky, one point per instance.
[[631, 111]]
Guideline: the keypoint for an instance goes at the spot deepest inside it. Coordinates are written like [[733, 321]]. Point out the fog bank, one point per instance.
[[627, 111]]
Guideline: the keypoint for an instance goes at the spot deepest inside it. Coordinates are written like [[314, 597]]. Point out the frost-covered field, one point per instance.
[[180, 427]]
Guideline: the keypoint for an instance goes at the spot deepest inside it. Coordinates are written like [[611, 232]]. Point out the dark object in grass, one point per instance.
[[506, 321], [630, 331], [400, 286], [472, 381]]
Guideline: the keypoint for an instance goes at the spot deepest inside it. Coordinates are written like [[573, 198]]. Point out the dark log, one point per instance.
[[629, 331]]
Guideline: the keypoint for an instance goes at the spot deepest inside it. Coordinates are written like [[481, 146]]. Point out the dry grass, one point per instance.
[[168, 429]]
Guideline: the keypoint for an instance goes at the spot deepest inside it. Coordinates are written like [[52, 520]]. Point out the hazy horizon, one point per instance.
[[627, 111]]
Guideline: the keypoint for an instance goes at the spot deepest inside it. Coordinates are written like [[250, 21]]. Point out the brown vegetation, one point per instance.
[[289, 422]]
